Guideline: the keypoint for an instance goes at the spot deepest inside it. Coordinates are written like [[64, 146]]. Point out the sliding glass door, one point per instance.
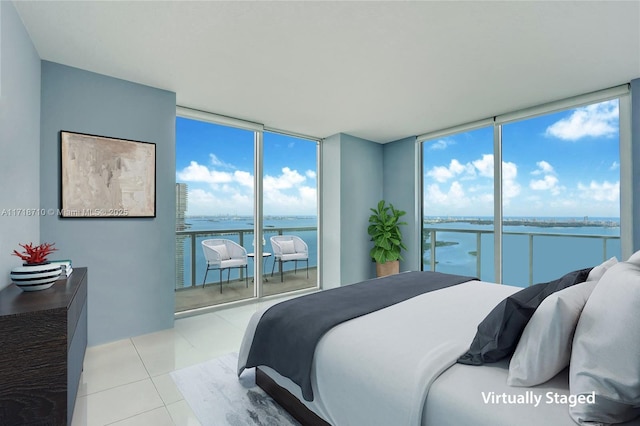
[[214, 169], [218, 168], [290, 206]]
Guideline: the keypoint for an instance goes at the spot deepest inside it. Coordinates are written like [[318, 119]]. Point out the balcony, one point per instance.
[[190, 270], [528, 257]]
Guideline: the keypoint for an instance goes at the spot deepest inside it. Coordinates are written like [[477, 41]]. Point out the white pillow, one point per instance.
[[634, 258], [596, 273], [605, 357], [223, 252], [287, 247], [544, 349]]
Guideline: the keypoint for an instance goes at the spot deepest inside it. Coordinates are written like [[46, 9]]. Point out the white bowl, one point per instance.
[[36, 277]]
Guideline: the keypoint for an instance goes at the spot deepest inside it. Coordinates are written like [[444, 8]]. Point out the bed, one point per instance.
[[400, 365]]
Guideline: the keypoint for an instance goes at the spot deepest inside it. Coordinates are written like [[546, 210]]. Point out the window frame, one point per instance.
[[258, 130], [622, 93]]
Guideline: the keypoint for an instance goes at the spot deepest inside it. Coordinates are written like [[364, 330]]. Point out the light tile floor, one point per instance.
[[127, 383]]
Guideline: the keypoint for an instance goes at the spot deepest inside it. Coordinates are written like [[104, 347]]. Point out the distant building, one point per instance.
[[181, 208], [181, 205]]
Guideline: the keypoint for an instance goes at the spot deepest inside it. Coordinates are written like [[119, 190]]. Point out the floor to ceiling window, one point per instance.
[[458, 204], [216, 200], [553, 205], [561, 200]]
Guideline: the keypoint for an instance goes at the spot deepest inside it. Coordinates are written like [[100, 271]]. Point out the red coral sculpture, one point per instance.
[[37, 254]]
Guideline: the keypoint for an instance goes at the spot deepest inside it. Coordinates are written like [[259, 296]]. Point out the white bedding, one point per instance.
[[397, 366], [377, 369]]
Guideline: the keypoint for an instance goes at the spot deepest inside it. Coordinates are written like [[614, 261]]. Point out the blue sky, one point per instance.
[[556, 165], [216, 162]]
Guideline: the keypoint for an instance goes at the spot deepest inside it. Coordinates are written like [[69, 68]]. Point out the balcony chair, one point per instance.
[[287, 248], [224, 254]]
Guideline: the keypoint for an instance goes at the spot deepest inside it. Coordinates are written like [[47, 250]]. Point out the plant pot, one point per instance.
[[388, 268], [35, 277]]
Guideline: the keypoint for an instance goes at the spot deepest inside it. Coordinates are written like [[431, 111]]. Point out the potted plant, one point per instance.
[[384, 229], [36, 273], [35, 255]]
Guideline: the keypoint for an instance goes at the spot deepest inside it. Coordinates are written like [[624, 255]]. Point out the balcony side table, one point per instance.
[[265, 255]]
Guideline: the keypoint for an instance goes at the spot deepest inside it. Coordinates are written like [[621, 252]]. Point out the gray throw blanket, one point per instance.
[[287, 334]]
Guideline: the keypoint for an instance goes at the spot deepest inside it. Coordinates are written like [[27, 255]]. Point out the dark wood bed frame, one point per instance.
[[287, 401]]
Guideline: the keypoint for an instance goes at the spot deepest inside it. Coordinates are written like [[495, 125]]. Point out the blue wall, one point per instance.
[[351, 184], [361, 179], [330, 187], [19, 138], [401, 168], [131, 261]]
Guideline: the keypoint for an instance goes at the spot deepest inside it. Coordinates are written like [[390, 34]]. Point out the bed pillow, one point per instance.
[[634, 258], [287, 247], [597, 272], [544, 349], [606, 348], [499, 332]]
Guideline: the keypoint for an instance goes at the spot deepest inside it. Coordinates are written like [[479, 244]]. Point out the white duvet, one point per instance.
[[377, 369]]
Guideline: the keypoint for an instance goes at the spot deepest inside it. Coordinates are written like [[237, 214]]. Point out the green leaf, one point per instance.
[[385, 232]]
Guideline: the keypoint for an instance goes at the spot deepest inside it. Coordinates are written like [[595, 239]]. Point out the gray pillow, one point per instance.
[[544, 348], [499, 333], [605, 357]]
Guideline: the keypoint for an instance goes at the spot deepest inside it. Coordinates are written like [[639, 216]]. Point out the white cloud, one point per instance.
[[199, 196], [243, 178], [485, 165], [482, 167], [195, 172], [440, 144], [215, 161], [543, 168], [510, 186], [605, 191], [288, 179], [455, 168], [454, 197], [232, 193], [548, 183], [597, 120], [485, 168], [614, 166], [301, 201]]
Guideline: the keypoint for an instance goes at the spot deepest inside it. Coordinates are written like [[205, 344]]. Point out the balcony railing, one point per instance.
[[432, 245], [192, 239]]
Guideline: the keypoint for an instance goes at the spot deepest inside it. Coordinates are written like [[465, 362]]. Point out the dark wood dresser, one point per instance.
[[43, 338]]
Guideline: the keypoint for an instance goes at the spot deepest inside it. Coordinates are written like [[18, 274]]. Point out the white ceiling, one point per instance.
[[377, 70]]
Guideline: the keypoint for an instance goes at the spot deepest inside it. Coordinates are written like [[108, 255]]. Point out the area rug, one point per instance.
[[219, 398]]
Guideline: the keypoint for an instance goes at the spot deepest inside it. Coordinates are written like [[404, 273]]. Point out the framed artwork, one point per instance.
[[103, 177]]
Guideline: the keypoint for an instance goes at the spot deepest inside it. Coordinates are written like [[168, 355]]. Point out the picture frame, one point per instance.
[[105, 177]]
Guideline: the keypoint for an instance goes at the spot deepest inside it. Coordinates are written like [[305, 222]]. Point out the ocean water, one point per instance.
[[556, 249], [556, 246], [240, 230]]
